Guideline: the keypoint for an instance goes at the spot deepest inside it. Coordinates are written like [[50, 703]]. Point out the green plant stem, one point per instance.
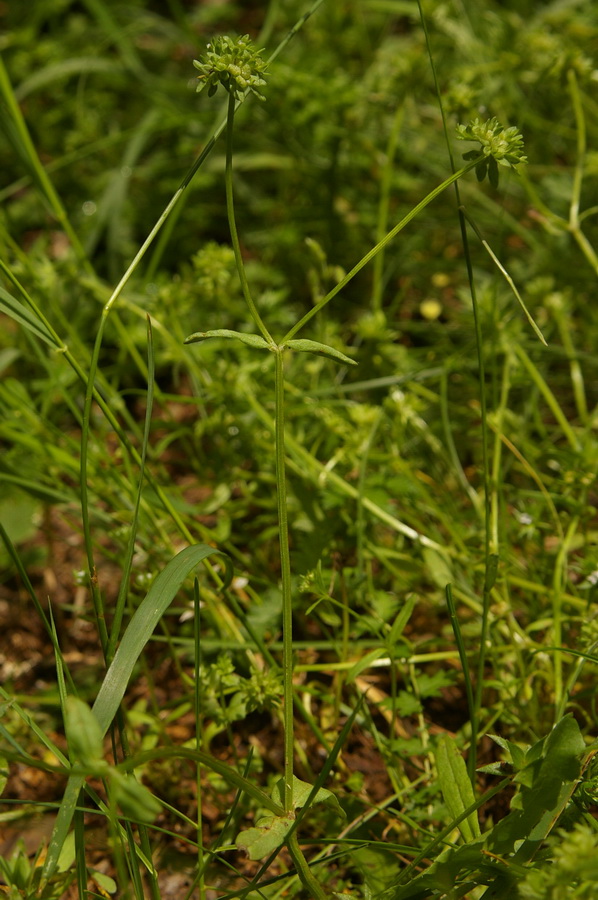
[[127, 565], [308, 880], [84, 492], [230, 211], [380, 246], [497, 426], [198, 709], [490, 559], [287, 599], [296, 27]]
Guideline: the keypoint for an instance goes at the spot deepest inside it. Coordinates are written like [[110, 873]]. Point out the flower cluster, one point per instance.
[[237, 65], [499, 146]]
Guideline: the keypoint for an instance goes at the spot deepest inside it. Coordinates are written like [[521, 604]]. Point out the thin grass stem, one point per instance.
[[285, 571], [198, 708], [489, 563]]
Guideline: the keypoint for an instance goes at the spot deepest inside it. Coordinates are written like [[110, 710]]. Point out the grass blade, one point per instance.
[[139, 631]]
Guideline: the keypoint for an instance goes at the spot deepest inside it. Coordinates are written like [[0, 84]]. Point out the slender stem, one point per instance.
[[308, 880], [296, 27], [581, 150], [490, 552], [287, 600], [83, 489], [127, 564], [490, 559], [230, 211], [498, 423], [380, 246], [281, 492], [198, 709]]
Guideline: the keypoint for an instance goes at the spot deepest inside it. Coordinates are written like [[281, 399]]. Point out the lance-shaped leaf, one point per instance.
[[455, 786], [138, 632], [320, 350], [254, 340]]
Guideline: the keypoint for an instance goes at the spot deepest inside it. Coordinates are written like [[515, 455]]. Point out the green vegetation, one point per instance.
[[298, 420]]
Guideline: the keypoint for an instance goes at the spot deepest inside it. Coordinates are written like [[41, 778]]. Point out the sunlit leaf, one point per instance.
[[254, 340]]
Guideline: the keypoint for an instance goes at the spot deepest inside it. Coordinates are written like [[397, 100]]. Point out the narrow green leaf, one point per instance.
[[398, 626], [19, 312], [254, 340], [138, 632], [142, 625], [305, 346], [493, 173], [455, 786]]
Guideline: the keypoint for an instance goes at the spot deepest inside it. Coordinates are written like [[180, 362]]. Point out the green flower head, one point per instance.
[[237, 65], [499, 146]]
